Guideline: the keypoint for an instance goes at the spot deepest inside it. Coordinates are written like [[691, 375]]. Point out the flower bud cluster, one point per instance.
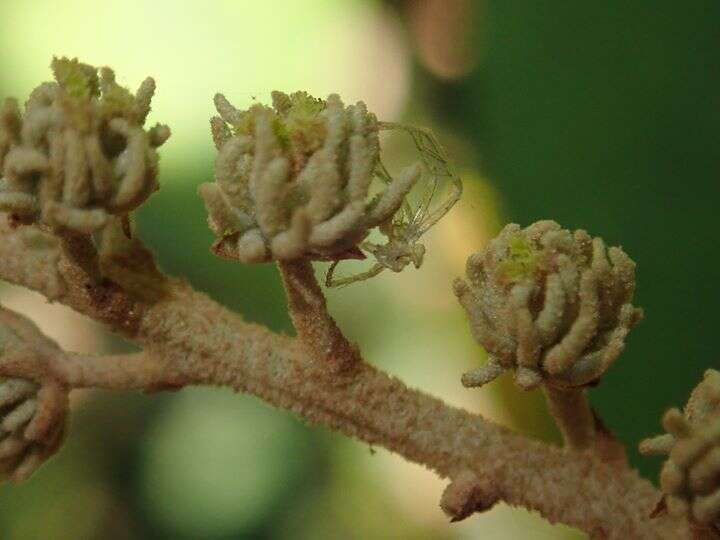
[[32, 415], [78, 153], [690, 478], [294, 180], [548, 304]]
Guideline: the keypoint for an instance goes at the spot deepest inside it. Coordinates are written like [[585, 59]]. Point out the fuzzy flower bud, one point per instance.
[[294, 180], [548, 304], [690, 478], [79, 152], [32, 414], [23, 444]]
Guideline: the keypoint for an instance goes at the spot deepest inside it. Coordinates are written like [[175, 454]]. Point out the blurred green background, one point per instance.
[[598, 115]]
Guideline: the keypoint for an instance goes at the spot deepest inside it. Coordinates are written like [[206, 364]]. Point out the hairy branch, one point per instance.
[[571, 410], [115, 372], [189, 339], [315, 327]]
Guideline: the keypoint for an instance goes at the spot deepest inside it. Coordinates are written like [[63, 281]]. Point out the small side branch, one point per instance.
[[315, 327], [573, 415]]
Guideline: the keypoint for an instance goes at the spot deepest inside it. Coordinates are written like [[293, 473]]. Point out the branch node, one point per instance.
[[467, 494]]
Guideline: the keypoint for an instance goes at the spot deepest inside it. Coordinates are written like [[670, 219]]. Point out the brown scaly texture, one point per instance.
[[189, 339]]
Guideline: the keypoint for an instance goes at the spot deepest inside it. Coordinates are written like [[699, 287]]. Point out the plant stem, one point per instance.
[[80, 249], [197, 341], [573, 415], [136, 371], [314, 325]]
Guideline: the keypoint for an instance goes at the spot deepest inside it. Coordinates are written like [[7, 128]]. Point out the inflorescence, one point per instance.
[[32, 412], [546, 303], [303, 180], [78, 154], [296, 181], [690, 477]]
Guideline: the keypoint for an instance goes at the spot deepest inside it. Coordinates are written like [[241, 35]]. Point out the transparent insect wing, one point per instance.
[[410, 221], [439, 172]]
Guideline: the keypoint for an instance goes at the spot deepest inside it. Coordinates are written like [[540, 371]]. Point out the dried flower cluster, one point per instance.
[[32, 414], [548, 304], [690, 477], [293, 181], [79, 153]]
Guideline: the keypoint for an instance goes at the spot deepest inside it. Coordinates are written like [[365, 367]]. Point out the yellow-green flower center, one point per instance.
[[522, 260]]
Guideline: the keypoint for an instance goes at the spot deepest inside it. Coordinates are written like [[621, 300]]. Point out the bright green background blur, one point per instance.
[[599, 115]]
